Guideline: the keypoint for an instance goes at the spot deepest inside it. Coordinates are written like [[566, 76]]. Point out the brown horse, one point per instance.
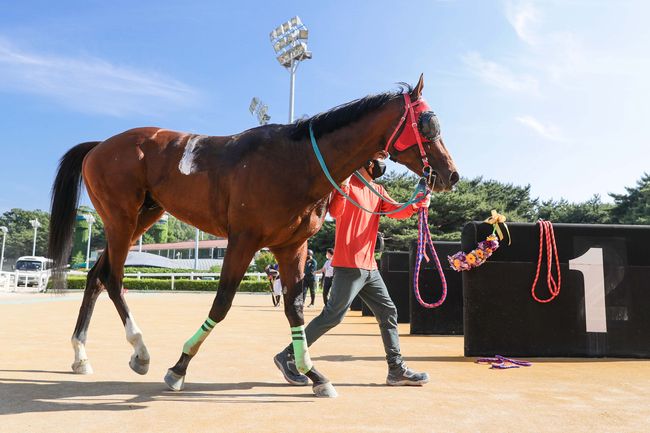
[[260, 188]]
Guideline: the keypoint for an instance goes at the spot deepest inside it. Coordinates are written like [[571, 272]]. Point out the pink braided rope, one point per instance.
[[424, 240]]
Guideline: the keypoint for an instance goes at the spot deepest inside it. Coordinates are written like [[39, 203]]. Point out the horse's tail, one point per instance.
[[65, 197]]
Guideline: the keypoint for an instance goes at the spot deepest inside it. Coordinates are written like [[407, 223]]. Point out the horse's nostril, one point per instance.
[[454, 178]]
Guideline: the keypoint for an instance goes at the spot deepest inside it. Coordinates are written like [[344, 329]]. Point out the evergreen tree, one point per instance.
[[593, 211], [20, 237], [633, 207]]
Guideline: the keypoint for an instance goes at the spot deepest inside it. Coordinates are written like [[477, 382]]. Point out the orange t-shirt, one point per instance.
[[356, 230]]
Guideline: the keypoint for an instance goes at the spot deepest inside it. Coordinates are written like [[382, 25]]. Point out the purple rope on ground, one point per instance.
[[502, 363]]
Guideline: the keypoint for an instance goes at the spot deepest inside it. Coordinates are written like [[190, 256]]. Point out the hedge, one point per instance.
[[77, 283]]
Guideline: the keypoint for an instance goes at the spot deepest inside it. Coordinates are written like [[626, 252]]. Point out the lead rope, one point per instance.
[[503, 363], [547, 236], [424, 240]]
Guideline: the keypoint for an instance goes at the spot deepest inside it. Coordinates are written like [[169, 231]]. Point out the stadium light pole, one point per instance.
[[90, 220], [4, 231], [36, 225], [260, 110], [289, 41]]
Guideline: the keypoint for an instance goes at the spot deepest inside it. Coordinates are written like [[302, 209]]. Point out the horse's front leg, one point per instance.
[[239, 253], [292, 264]]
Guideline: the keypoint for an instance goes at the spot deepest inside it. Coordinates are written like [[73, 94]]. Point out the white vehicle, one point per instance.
[[33, 271]]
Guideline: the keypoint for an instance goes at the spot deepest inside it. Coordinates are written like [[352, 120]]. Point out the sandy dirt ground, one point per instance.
[[233, 385]]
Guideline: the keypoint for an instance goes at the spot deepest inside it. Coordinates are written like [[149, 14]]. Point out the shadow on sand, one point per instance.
[[46, 395]]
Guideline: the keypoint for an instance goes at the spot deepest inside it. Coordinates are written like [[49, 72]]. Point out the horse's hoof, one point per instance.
[[174, 381], [140, 366], [325, 390], [82, 367]]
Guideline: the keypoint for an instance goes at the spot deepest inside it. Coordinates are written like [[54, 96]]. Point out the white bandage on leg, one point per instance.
[[134, 336]]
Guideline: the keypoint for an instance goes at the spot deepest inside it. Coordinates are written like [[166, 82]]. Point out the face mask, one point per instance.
[[378, 168]]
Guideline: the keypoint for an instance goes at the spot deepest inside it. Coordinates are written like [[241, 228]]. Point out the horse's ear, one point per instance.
[[417, 91]]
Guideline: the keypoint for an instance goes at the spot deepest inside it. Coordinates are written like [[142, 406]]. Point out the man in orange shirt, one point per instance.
[[355, 272]]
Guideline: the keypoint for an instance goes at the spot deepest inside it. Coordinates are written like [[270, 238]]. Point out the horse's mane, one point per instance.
[[344, 114]]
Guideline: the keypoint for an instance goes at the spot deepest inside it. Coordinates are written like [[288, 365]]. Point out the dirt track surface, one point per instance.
[[233, 385]]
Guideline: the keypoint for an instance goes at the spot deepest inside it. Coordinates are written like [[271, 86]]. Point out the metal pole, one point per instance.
[[34, 245], [292, 73], [2, 257], [140, 244], [90, 231], [196, 250]]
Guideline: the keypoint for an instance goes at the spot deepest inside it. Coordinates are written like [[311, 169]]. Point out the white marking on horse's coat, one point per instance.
[[79, 350], [155, 134], [186, 165], [134, 336]]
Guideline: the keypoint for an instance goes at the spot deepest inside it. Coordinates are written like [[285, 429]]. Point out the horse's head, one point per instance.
[[416, 142]]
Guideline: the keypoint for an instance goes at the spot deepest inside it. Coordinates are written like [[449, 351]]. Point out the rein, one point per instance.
[[421, 187], [414, 197], [547, 236]]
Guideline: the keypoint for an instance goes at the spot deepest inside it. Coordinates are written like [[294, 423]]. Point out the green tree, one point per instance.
[[78, 259], [20, 237], [471, 200], [593, 211], [262, 260], [323, 240], [634, 206], [178, 231]]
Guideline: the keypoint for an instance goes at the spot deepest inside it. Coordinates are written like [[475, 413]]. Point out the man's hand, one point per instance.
[[424, 203]]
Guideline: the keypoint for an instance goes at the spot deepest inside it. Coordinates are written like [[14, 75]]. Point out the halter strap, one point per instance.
[[410, 114]]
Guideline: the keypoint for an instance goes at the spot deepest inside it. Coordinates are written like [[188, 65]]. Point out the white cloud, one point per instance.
[[500, 76], [90, 84], [523, 16], [548, 131]]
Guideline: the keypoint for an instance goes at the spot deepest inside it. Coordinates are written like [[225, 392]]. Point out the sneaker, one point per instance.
[[287, 366], [402, 375]]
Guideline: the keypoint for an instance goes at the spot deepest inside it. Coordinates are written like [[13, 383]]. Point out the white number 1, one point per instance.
[[590, 264]]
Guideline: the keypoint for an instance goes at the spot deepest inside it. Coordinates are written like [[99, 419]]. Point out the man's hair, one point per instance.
[[330, 250]]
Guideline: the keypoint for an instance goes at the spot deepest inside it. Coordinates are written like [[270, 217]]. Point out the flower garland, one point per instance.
[[462, 261]]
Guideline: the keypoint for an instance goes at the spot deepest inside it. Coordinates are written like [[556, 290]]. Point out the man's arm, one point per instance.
[[388, 207], [337, 202]]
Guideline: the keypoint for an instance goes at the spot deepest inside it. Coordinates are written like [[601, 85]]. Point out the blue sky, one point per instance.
[[548, 93]]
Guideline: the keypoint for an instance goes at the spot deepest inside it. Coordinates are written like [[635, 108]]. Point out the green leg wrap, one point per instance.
[[299, 341], [192, 345]]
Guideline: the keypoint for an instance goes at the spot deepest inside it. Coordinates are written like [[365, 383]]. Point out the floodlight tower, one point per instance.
[[289, 41], [36, 224], [260, 110]]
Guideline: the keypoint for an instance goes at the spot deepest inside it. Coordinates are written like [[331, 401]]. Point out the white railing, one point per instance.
[[14, 281], [189, 275]]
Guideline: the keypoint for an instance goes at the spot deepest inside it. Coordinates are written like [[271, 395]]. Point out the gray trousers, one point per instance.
[[347, 283]]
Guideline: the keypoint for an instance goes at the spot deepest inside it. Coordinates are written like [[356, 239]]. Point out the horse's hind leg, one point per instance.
[[94, 286], [122, 227], [238, 256], [140, 359]]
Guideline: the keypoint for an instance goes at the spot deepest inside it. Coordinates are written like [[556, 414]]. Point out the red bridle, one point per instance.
[[410, 136]]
